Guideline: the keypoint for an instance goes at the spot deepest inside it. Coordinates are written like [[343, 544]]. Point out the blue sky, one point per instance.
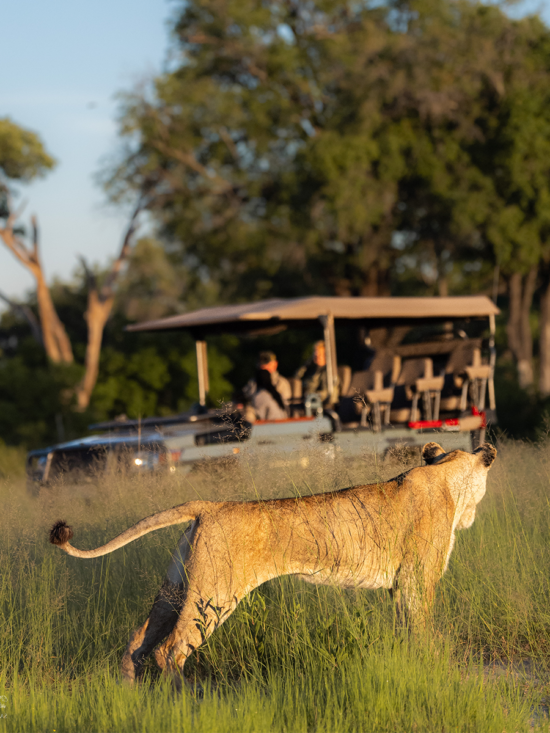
[[63, 62]]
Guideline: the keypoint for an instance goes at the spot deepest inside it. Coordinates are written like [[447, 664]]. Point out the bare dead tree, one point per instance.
[[100, 304], [54, 336]]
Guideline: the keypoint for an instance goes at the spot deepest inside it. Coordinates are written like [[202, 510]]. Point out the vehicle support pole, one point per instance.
[[492, 361], [330, 349], [202, 371]]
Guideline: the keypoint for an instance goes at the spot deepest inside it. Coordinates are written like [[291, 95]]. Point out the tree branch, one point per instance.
[[27, 314], [91, 280], [54, 337], [100, 305], [228, 140], [202, 39], [108, 285], [15, 245], [34, 222], [189, 160]]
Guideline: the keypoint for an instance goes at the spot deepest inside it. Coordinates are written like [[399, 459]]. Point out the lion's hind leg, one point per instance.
[[164, 613], [159, 625], [201, 615], [218, 576]]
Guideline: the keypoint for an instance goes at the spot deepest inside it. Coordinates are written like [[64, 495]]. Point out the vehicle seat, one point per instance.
[[344, 379], [296, 401], [416, 381], [371, 391], [466, 378]]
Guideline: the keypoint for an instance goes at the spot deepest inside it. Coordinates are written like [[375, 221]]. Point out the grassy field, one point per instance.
[[293, 657]]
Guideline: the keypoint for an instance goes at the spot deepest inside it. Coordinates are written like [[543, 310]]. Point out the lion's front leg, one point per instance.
[[422, 566], [413, 600], [414, 590]]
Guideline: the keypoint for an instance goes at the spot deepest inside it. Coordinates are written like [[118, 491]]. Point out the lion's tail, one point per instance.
[[61, 533]]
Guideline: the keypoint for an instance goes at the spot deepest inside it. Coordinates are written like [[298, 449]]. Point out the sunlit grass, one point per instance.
[[293, 657]]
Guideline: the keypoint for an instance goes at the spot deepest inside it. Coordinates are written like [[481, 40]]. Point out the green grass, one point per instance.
[[293, 657], [12, 461]]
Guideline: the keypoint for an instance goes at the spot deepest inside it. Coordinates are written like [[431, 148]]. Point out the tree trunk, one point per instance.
[[375, 283], [370, 286], [544, 374], [55, 339], [520, 340], [100, 305], [443, 287], [96, 317], [56, 342]]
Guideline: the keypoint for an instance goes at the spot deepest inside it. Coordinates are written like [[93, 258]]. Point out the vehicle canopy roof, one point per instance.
[[266, 314]]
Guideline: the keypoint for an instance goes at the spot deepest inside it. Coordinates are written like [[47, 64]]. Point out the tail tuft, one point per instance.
[[60, 533]]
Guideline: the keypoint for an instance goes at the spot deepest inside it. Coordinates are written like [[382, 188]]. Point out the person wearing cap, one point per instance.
[[268, 393]]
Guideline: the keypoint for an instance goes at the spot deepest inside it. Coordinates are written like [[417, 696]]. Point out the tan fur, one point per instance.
[[396, 535]]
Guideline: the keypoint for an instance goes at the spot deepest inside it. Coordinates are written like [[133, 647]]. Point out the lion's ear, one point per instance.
[[487, 454], [431, 451]]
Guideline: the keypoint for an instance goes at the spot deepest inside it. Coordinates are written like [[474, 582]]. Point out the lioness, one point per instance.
[[396, 535]]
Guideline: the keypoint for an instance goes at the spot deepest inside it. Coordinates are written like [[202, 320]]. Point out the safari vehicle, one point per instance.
[[421, 366]]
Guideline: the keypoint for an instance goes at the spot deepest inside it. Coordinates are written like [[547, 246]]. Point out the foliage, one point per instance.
[[257, 170], [522, 413], [291, 143], [153, 381], [35, 406], [322, 148], [22, 154], [22, 158]]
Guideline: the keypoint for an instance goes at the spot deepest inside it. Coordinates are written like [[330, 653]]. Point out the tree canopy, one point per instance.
[[348, 148], [22, 153], [298, 138], [326, 147]]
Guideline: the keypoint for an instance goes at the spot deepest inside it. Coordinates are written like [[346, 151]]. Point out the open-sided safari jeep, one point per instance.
[[420, 366]]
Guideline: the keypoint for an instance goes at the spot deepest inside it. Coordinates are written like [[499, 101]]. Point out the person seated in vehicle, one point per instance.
[[268, 393], [314, 375]]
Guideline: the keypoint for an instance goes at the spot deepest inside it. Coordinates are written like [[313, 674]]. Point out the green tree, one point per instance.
[[519, 226], [480, 188], [140, 375], [22, 154], [347, 147], [266, 169]]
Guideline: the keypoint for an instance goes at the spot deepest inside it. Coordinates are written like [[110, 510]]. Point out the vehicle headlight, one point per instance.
[[138, 461]]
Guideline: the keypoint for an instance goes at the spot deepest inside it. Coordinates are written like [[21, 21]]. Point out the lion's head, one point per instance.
[[466, 475]]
